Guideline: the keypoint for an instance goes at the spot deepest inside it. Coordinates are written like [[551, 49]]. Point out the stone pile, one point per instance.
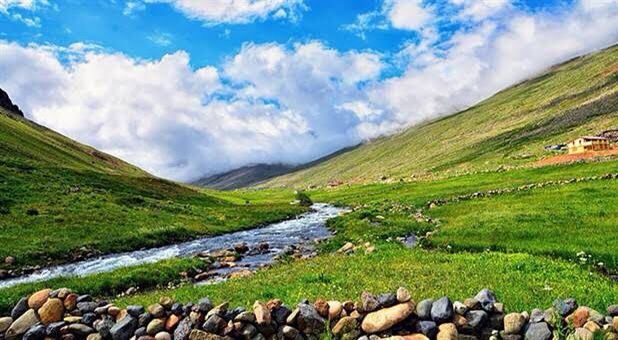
[[62, 314]]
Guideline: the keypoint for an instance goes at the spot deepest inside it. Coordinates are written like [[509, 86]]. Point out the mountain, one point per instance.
[[511, 128], [7, 104], [243, 177]]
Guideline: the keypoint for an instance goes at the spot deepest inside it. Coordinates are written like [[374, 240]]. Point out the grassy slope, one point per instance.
[[510, 128], [117, 207]]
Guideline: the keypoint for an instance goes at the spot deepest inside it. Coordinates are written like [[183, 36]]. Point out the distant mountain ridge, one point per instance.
[[5, 102], [243, 177]]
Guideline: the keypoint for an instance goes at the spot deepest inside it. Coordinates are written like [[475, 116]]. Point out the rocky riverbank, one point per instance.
[[62, 314]]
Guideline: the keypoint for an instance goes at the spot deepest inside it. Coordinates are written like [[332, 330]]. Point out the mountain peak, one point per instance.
[[5, 102]]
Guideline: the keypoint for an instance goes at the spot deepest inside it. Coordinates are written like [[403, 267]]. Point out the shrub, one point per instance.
[[303, 199]]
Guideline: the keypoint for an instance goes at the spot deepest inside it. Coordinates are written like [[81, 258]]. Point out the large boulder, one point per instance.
[[22, 324]]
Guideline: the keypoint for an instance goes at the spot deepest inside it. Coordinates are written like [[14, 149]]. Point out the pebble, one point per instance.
[[423, 309], [403, 295], [36, 300], [384, 319], [442, 310], [513, 323]]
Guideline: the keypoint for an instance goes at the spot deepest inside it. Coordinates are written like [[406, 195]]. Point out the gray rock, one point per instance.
[[612, 310], [124, 329], [88, 318], [537, 315], [248, 331], [183, 329], [135, 311], [104, 326], [565, 307], [486, 298], [309, 321], [144, 319], [387, 299], [140, 332], [84, 298], [442, 310], [476, 318], [22, 324], [204, 305], [86, 307], [460, 308], [53, 329], [429, 328], [281, 314], [80, 330], [423, 309], [370, 303], [214, 324], [177, 309], [20, 308], [35, 333], [538, 331]]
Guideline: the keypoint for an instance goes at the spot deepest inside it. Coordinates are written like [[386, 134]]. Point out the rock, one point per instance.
[[496, 321], [592, 326], [51, 311], [124, 329], [428, 328], [171, 322], [35, 333], [406, 337], [442, 310], [86, 306], [143, 319], [247, 317], [104, 326], [487, 299], [403, 295], [156, 310], [214, 324], [334, 309], [9, 260], [387, 300], [615, 323], [476, 318], [53, 329], [309, 321], [384, 319], [369, 302], [262, 313], [565, 307], [460, 308], [345, 325], [72, 319], [196, 334], [472, 303], [5, 323], [289, 332], [513, 323], [423, 309], [166, 302], [241, 247], [84, 298], [612, 310], [20, 308], [183, 329], [346, 248], [135, 311], [36, 300], [163, 336], [537, 315], [70, 302], [94, 336], [499, 307], [22, 324], [78, 329], [538, 331], [582, 334], [447, 331], [155, 326], [322, 307], [204, 305], [248, 331], [291, 319], [580, 316]]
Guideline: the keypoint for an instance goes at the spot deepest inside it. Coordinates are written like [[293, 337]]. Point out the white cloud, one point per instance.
[[5, 5], [406, 14], [479, 10], [236, 11], [161, 38]]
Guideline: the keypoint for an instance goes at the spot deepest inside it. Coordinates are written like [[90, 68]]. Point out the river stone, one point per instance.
[[80, 330], [20, 308], [204, 305], [36, 300], [163, 336], [386, 318], [369, 302], [442, 310], [214, 324], [428, 328], [345, 325], [104, 326], [387, 300], [612, 310], [124, 329], [538, 331], [423, 309], [403, 295], [51, 311], [309, 321], [537, 315], [70, 302], [86, 306], [53, 329], [334, 309], [262, 314], [155, 326], [447, 331], [135, 311], [476, 318], [487, 299], [513, 323], [183, 330], [565, 307], [5, 323], [459, 308], [35, 333], [171, 322], [156, 310], [22, 324], [582, 334]]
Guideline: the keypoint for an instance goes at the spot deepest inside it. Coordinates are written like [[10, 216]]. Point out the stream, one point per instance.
[[300, 231]]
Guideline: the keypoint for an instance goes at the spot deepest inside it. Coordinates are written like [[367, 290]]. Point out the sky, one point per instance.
[[186, 88]]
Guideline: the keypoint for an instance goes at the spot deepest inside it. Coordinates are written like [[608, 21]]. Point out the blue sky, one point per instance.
[[184, 88]]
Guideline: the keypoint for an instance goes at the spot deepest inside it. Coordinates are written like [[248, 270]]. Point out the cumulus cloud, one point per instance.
[[214, 12], [7, 8], [410, 15]]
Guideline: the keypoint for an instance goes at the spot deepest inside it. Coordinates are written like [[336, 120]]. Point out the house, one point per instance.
[[588, 143], [611, 135]]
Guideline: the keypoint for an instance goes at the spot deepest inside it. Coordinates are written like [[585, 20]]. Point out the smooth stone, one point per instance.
[[78, 329], [423, 309], [104, 326], [403, 295], [249, 331], [22, 324], [487, 299], [513, 323], [70, 302], [53, 329], [262, 314], [334, 309], [472, 303], [5, 323], [289, 332], [155, 326], [429, 328], [163, 336], [135, 311], [387, 300], [20, 308], [386, 318], [171, 322], [84, 298], [309, 321], [51, 311], [35, 333], [156, 310], [245, 317], [538, 331], [94, 336], [322, 307], [442, 310], [345, 325], [407, 337], [124, 329], [166, 302], [86, 307], [447, 331], [183, 329], [36, 300]]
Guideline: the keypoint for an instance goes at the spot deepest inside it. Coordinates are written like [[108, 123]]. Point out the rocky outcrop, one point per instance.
[[47, 315], [5, 102]]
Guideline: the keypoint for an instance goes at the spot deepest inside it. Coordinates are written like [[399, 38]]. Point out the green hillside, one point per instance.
[[509, 129], [61, 200]]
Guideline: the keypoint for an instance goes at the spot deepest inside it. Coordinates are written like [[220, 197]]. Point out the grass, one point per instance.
[[575, 98], [60, 198], [556, 221], [521, 281]]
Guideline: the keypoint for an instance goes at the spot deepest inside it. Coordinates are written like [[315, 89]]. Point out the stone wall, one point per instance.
[[62, 314]]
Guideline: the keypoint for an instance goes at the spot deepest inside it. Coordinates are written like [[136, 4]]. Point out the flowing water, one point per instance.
[[302, 230]]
